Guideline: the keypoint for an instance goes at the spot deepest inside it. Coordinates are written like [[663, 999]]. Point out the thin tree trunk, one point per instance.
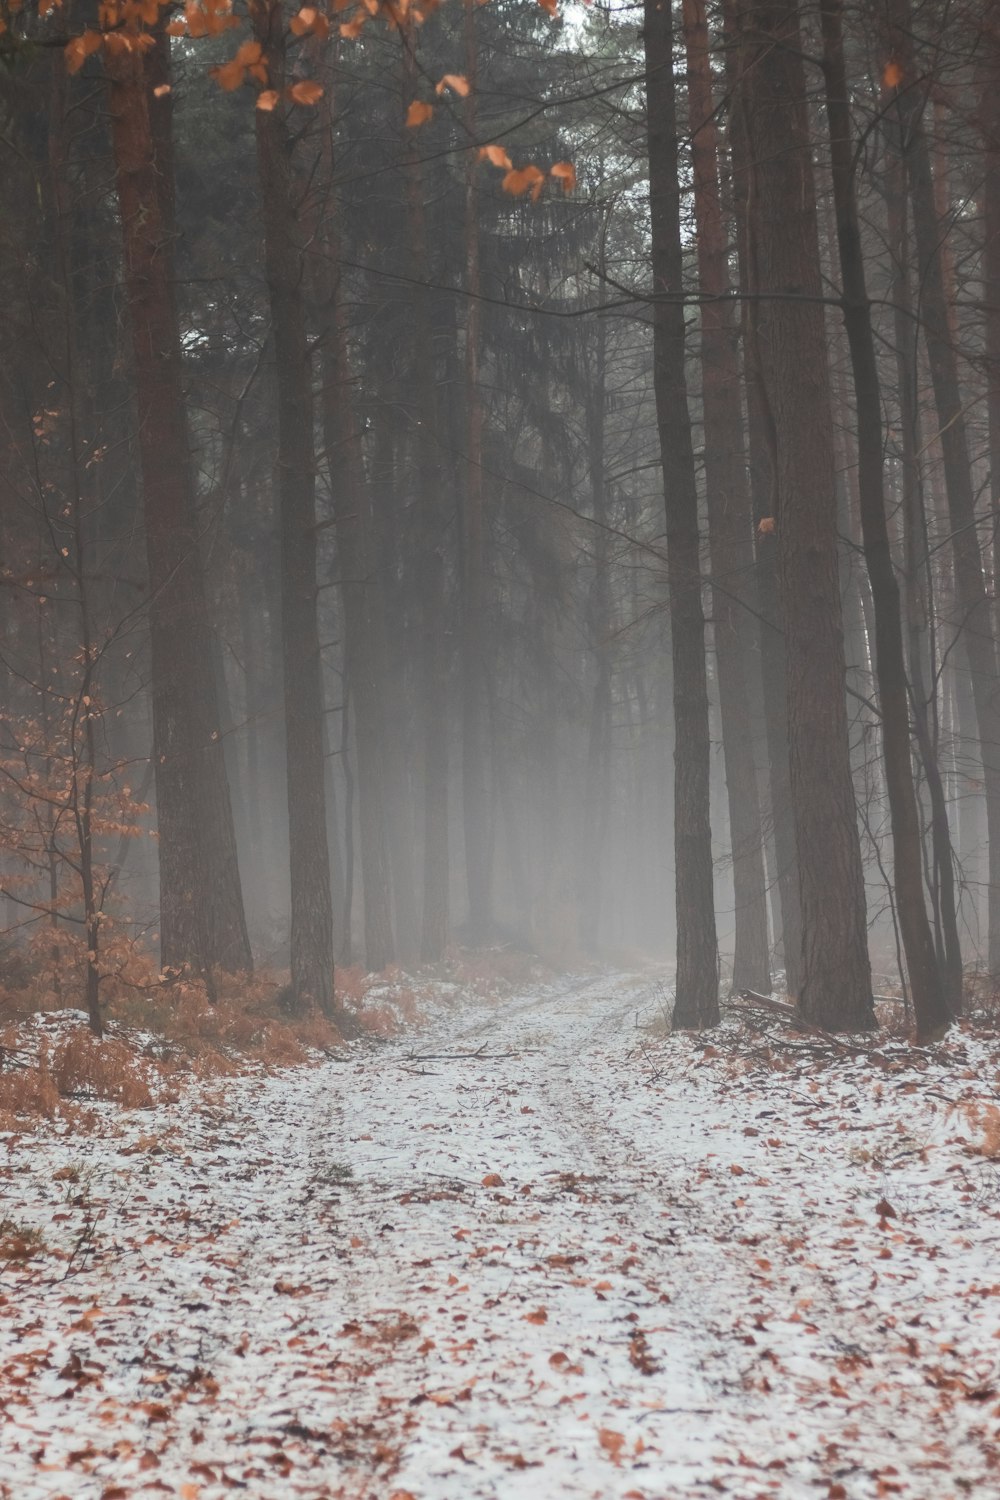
[[974, 605], [790, 340], [697, 983], [309, 856], [475, 792], [930, 1008], [917, 588], [431, 540], [730, 524], [201, 904], [364, 651], [597, 779]]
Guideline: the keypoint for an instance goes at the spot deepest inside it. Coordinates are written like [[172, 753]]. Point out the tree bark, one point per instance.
[[309, 857], [433, 575], [730, 524], [930, 1008], [910, 100], [201, 904], [791, 350], [917, 591], [364, 645], [786, 906], [697, 982]]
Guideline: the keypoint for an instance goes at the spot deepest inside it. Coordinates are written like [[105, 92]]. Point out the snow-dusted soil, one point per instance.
[[576, 1262]]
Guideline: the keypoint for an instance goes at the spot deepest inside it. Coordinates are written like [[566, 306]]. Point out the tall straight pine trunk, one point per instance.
[[430, 544], [309, 858], [476, 819], [202, 921], [909, 103], [364, 629], [730, 522], [785, 901], [791, 354], [697, 985], [930, 1008]]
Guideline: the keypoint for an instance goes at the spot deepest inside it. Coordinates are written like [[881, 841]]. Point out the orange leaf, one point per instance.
[[893, 75], [161, 91], [765, 526], [248, 54], [418, 113], [564, 172], [353, 28], [497, 157], [80, 48], [307, 92], [304, 21], [229, 76], [455, 82], [612, 1442], [518, 182], [267, 99], [552, 6], [493, 1179], [538, 1316]]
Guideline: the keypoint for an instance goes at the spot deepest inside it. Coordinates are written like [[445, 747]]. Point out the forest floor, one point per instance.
[[530, 1250]]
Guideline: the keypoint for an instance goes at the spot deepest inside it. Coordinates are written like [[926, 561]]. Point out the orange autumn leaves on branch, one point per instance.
[[127, 26]]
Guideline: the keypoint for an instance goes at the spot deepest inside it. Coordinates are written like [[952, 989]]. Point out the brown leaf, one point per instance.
[[497, 157], [518, 181], [564, 172], [307, 92], [612, 1442], [454, 81], [538, 1316]]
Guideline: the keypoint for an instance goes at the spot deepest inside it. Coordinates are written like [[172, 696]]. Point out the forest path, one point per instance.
[[525, 1252]]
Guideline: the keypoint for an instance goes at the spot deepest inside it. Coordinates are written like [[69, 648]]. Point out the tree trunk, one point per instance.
[[730, 525], [697, 983], [475, 791], [786, 904], [430, 542], [791, 350], [201, 904], [309, 858], [930, 1008], [917, 588], [977, 623], [364, 646]]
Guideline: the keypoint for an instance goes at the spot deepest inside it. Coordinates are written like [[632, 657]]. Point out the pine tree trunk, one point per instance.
[[309, 858], [475, 790], [730, 523], [926, 991], [202, 921], [364, 645], [433, 574], [786, 904], [976, 614], [791, 350], [697, 984], [917, 584]]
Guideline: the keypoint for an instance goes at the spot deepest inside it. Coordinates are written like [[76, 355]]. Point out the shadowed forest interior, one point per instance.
[[501, 475]]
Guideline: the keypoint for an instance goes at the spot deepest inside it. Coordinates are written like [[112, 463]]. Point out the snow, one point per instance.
[[528, 1251]]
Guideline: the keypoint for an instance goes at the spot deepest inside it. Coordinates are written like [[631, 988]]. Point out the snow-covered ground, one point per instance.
[[526, 1252]]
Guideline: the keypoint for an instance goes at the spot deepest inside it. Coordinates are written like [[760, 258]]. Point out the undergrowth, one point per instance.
[[165, 1027]]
